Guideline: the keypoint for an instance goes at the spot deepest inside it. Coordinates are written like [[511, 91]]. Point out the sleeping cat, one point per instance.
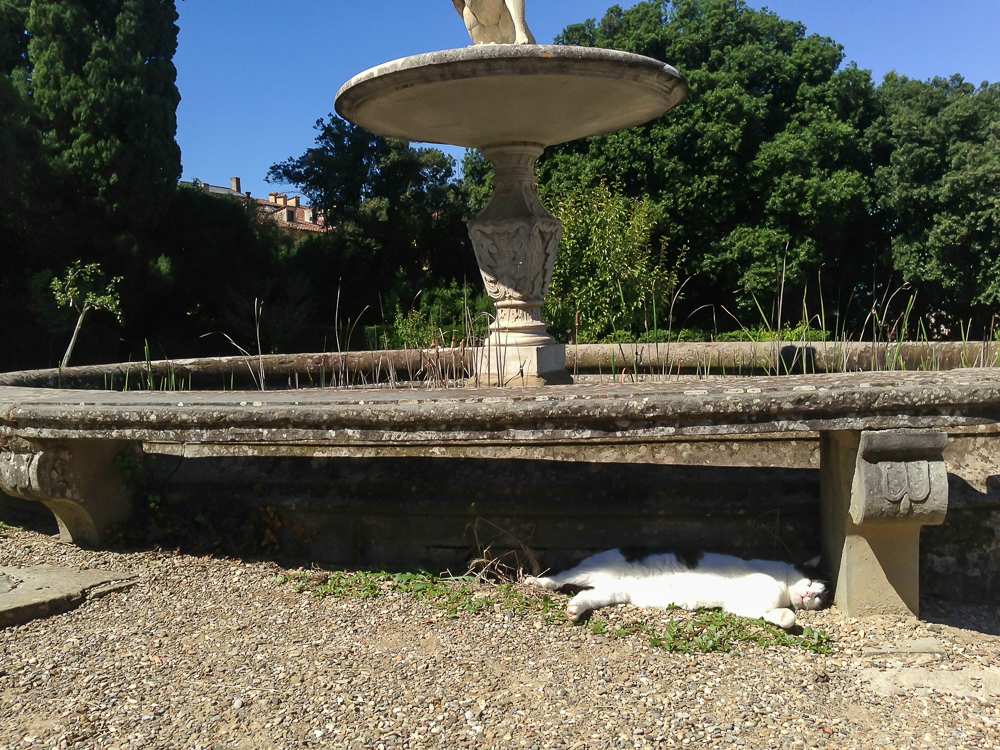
[[748, 588]]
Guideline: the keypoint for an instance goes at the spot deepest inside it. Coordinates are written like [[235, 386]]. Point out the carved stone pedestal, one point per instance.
[[79, 481], [516, 242], [878, 489]]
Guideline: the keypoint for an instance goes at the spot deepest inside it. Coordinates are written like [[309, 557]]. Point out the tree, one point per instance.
[[84, 290], [395, 216], [103, 85], [763, 174], [19, 146], [608, 279], [939, 146], [212, 258], [88, 159]]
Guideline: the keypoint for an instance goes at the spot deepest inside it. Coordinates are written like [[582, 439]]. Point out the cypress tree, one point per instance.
[[88, 158], [103, 88]]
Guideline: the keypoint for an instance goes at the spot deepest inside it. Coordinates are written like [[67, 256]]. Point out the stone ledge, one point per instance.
[[45, 591], [552, 414]]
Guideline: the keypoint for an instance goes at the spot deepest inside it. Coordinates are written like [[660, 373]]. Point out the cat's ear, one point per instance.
[[814, 562]]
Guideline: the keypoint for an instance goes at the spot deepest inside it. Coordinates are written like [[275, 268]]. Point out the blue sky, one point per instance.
[[255, 76]]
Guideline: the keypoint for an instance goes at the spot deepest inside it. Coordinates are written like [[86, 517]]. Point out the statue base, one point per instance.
[[517, 366]]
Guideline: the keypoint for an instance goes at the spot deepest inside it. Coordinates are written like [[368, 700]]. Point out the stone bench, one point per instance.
[[882, 436]]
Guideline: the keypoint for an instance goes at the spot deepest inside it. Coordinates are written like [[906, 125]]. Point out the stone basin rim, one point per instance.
[[784, 403], [424, 97], [490, 52]]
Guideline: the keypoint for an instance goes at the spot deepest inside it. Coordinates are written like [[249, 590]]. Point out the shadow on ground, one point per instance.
[[981, 618], [248, 531], [29, 516]]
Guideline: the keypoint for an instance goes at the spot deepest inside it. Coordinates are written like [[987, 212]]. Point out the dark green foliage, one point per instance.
[[939, 145], [449, 314], [103, 88], [14, 38], [212, 260], [763, 174], [88, 160], [396, 218], [477, 178]]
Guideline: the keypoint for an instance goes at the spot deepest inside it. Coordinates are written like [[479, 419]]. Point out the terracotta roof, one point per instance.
[[300, 214]]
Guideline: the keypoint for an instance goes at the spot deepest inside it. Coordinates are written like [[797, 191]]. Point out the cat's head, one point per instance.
[[811, 591]]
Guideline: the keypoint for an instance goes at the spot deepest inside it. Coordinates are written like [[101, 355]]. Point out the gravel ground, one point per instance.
[[214, 653]]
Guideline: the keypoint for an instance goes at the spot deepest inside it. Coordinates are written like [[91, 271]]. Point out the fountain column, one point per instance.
[[511, 101], [516, 241]]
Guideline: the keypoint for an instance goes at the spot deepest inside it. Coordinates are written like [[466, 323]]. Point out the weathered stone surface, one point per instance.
[[518, 365], [901, 476], [878, 489], [427, 512], [7, 584], [489, 95], [979, 684], [78, 480], [745, 358], [436, 366], [550, 415], [44, 591], [516, 241]]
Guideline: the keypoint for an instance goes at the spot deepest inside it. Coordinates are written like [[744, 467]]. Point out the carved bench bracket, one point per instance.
[[79, 481], [878, 489], [901, 476]]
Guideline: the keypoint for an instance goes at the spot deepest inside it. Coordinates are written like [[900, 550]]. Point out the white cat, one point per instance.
[[748, 588]]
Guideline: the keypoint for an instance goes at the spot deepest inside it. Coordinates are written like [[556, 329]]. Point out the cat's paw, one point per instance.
[[545, 583], [573, 612], [783, 618]]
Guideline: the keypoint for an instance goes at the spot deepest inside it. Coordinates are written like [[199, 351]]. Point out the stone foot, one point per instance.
[[79, 481], [513, 366]]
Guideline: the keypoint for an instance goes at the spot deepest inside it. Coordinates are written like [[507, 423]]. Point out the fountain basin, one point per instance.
[[483, 96]]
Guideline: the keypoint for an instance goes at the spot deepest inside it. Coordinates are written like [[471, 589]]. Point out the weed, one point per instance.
[[4, 528], [703, 632], [453, 594], [708, 631]]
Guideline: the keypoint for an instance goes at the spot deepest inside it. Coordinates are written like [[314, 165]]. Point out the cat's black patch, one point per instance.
[[814, 572], [635, 554], [689, 559]]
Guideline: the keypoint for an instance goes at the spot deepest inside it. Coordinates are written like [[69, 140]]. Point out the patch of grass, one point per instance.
[[711, 630], [706, 631], [453, 594], [4, 528]]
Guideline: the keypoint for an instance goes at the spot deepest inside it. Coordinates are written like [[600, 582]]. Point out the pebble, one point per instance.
[[209, 653]]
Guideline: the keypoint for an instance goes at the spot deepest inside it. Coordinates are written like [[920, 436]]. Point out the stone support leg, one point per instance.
[[516, 242], [878, 489], [79, 481]]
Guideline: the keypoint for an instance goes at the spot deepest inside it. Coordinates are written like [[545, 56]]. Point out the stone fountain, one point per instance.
[[345, 467], [510, 99]]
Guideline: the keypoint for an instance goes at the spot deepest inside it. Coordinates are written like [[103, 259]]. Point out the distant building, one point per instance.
[[288, 213]]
